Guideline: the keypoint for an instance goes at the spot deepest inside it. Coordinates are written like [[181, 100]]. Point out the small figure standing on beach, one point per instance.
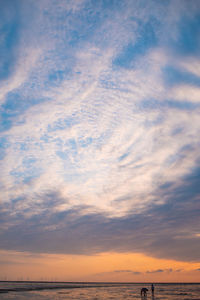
[[152, 289], [144, 291]]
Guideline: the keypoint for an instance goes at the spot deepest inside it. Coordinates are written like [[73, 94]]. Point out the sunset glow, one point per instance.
[[117, 267]]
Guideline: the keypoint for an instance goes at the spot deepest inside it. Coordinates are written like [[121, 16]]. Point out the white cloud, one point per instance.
[[23, 68], [191, 65], [111, 117], [113, 146], [186, 93]]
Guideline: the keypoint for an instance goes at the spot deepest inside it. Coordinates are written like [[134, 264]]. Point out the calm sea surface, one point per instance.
[[94, 291]]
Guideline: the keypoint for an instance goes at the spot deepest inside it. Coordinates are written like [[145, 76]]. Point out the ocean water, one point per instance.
[[95, 291]]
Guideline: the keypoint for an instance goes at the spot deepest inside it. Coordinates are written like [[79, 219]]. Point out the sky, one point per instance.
[[99, 140]]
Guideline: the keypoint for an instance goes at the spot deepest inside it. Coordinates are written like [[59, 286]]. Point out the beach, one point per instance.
[[94, 291]]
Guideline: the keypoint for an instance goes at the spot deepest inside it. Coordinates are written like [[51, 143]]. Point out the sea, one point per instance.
[[28, 290]]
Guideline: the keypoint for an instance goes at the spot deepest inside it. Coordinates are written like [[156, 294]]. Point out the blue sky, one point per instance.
[[99, 128]]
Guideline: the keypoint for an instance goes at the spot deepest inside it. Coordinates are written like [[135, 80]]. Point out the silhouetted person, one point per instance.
[[152, 289], [144, 291]]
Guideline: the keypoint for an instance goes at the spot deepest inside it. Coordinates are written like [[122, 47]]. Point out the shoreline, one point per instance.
[[52, 285]]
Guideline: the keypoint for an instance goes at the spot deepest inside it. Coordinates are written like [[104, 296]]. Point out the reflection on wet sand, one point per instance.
[[91, 291], [145, 297]]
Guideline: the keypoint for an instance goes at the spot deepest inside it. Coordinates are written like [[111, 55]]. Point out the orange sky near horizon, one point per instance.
[[117, 267]]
